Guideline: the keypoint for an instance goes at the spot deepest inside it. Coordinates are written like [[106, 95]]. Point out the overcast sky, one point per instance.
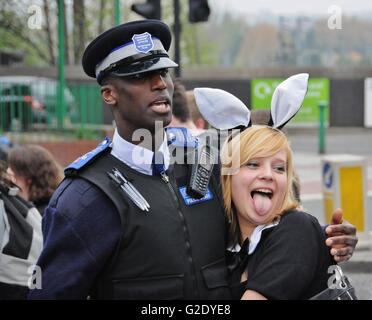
[[307, 7]]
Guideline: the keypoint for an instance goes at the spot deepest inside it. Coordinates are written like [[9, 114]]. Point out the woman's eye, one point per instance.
[[252, 164], [280, 168]]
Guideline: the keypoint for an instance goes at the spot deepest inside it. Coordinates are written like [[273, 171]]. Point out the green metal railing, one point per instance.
[[28, 104]]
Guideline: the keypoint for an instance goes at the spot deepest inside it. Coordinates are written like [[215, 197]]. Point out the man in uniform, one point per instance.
[[121, 226]]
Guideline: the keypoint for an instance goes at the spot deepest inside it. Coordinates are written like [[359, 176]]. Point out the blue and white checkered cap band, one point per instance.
[[126, 50]]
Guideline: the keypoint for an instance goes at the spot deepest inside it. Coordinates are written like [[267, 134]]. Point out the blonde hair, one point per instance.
[[254, 142]]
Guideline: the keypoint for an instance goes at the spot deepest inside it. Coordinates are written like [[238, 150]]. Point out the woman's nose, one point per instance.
[[266, 172]]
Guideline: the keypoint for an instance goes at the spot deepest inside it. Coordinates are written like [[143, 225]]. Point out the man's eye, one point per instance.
[[147, 75], [138, 76], [163, 72]]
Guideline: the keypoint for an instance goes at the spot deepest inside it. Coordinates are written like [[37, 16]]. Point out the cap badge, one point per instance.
[[143, 42]]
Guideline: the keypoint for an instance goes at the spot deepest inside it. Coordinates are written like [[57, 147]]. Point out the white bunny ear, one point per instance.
[[287, 99], [221, 109]]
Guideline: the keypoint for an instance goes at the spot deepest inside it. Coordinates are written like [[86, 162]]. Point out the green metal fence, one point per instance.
[[31, 104]]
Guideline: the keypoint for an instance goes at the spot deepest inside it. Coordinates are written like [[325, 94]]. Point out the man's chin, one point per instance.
[[159, 124]]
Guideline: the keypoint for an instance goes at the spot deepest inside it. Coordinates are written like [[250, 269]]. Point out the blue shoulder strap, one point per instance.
[[180, 137], [88, 157]]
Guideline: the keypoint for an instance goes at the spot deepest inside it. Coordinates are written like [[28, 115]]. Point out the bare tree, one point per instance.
[[79, 29], [15, 33], [67, 46], [48, 30], [101, 16]]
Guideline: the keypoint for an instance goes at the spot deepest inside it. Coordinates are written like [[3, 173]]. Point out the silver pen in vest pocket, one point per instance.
[[129, 189], [132, 187]]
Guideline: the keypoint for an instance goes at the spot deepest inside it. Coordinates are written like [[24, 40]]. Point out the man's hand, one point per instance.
[[342, 237]]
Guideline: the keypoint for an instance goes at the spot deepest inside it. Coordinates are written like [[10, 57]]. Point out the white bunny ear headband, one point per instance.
[[225, 111]]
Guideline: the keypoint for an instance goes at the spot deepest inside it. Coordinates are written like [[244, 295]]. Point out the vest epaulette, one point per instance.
[[180, 137], [88, 157]]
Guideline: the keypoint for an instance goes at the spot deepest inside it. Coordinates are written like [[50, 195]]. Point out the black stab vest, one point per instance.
[[174, 251]]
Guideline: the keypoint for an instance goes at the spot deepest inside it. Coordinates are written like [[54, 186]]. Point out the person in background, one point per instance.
[[181, 115], [36, 172], [196, 117], [20, 241]]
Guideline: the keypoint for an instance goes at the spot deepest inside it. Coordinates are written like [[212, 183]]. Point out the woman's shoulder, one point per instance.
[[298, 217], [298, 222]]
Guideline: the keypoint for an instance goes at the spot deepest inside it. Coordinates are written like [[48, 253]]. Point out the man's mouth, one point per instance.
[[160, 106]]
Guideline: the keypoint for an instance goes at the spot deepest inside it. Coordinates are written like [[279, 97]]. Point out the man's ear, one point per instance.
[[109, 94]]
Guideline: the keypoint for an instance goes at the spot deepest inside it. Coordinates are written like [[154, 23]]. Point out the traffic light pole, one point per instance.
[[117, 12], [177, 36]]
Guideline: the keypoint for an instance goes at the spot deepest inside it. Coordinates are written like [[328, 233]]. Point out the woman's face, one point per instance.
[[259, 188]]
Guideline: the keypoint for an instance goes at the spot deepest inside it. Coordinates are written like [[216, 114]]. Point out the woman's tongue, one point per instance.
[[262, 204]]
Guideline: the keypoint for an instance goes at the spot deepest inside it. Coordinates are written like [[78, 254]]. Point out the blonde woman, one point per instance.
[[283, 249], [276, 251]]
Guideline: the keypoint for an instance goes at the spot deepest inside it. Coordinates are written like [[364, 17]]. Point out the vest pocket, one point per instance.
[[215, 277], [164, 287]]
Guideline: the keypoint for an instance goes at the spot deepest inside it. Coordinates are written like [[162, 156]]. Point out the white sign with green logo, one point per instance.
[[318, 93]]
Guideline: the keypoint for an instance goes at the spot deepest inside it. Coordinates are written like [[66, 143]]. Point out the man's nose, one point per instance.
[[158, 82]]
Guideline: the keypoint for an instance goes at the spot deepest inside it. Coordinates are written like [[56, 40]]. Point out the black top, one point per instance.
[[290, 261]]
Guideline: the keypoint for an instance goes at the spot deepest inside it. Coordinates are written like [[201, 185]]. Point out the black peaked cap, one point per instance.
[[101, 46]]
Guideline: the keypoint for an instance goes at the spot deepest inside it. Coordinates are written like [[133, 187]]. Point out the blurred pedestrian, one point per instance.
[[199, 121], [181, 114], [36, 172], [20, 241]]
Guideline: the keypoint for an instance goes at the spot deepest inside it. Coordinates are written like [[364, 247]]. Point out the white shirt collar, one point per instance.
[[255, 237], [137, 157]]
